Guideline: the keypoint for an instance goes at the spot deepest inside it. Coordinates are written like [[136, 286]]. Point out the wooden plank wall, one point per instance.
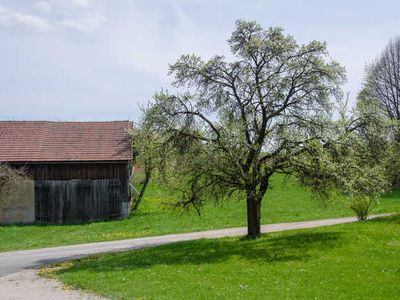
[[66, 171], [76, 201], [69, 193]]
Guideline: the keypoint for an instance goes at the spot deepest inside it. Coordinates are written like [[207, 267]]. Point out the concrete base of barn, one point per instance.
[[20, 207]]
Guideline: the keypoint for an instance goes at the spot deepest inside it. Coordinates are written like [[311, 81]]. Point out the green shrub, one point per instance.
[[362, 205]]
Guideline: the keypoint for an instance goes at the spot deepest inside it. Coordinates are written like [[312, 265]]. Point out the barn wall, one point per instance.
[[66, 171], [76, 201], [73, 193], [20, 208]]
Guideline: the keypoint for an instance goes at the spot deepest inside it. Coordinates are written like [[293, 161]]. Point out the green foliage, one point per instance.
[[350, 261], [363, 186], [391, 162], [362, 205], [234, 123], [149, 148], [381, 84], [379, 102], [352, 162]]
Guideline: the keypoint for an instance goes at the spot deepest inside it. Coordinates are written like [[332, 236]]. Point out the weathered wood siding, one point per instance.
[[70, 193], [66, 171], [76, 201]]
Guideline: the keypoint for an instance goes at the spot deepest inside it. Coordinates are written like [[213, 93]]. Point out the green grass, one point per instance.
[[351, 261], [285, 201]]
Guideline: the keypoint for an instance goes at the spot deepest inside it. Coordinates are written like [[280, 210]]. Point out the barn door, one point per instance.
[[114, 199], [84, 201], [49, 202], [77, 201]]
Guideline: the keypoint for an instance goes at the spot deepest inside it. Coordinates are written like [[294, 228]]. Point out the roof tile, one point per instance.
[[38, 141]]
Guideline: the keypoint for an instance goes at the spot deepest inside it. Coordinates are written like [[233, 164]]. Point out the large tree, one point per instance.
[[237, 122], [379, 101], [382, 84]]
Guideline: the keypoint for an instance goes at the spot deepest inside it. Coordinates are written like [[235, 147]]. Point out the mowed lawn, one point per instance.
[[285, 201], [352, 261]]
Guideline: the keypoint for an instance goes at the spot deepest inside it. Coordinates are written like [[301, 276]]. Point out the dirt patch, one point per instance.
[[28, 285]]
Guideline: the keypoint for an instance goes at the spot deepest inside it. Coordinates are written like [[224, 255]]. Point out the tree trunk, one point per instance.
[[253, 216], [143, 189]]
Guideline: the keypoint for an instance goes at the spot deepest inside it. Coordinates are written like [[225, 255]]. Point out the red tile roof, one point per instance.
[[39, 141]]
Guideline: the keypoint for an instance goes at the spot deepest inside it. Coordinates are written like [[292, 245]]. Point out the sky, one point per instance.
[[93, 60]]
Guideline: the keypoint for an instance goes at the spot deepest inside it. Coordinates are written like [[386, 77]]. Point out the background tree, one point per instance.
[[237, 123], [379, 102], [346, 168], [349, 164], [150, 149], [382, 84]]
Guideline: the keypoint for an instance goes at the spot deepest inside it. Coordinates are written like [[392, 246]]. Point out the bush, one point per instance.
[[362, 205]]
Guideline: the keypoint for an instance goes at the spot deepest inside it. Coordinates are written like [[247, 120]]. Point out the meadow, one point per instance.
[[351, 261], [285, 201]]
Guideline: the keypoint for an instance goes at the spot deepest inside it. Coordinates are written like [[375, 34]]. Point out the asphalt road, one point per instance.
[[16, 261]]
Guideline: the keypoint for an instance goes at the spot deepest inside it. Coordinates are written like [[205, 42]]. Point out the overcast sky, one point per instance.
[[99, 59]]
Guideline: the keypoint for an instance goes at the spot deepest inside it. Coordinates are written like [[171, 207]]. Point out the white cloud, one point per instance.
[[63, 14], [81, 3], [86, 24], [43, 6], [16, 19], [49, 5]]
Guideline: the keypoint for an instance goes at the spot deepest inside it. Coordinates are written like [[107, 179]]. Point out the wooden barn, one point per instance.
[[79, 171]]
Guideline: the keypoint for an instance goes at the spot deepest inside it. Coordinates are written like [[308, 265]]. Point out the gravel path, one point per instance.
[[18, 279], [28, 285]]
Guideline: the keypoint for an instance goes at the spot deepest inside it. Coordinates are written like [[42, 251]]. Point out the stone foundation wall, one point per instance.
[[19, 209]]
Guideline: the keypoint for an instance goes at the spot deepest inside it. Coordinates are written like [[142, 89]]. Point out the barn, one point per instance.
[[78, 171]]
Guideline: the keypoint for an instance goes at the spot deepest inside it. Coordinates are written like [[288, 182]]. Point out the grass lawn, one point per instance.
[[285, 201], [351, 261]]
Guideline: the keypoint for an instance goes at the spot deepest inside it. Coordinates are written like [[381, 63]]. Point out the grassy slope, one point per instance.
[[285, 201], [352, 261]]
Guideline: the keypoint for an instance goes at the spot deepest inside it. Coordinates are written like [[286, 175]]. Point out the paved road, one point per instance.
[[16, 261]]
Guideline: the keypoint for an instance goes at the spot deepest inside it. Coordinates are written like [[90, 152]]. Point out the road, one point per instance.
[[16, 261]]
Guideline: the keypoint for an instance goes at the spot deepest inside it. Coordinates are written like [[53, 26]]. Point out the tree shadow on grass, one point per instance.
[[271, 249]]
